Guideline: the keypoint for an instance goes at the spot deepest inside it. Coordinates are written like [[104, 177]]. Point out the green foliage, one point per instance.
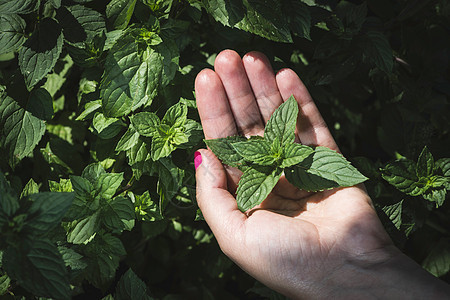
[[98, 129], [265, 159]]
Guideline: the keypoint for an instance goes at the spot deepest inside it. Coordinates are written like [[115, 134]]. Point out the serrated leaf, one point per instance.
[[425, 164], [64, 185], [106, 128], [144, 85], [71, 258], [131, 287], [444, 165], [46, 211], [294, 154], [394, 212], [40, 104], [161, 146], [84, 230], [82, 187], [145, 123], [282, 123], [89, 109], [119, 12], [30, 188], [21, 130], [118, 214], [146, 208], [92, 172], [438, 260], [4, 284], [80, 24], [325, 169], [139, 157], [103, 254], [255, 185], [38, 267], [170, 55], [170, 177], [107, 184], [18, 6], [299, 18], [436, 195], [12, 33], [402, 175], [128, 140], [223, 149], [40, 52], [256, 151], [9, 203], [378, 51], [175, 116]]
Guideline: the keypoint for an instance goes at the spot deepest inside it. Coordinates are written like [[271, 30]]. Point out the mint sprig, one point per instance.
[[264, 159]]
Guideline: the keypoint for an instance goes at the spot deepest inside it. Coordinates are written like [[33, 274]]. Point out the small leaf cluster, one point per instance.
[[264, 159]]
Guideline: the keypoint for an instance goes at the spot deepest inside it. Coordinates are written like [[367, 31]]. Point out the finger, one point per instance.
[[218, 206], [213, 107], [228, 65], [263, 83], [311, 128]]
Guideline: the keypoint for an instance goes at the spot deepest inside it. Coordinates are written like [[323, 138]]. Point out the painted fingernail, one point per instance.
[[197, 159]]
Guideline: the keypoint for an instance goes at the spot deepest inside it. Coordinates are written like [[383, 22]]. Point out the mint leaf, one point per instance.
[[21, 129], [46, 211], [255, 185], [444, 165], [18, 7], [256, 151], [30, 188], [302, 179], [84, 230], [438, 260], [106, 128], [128, 140], [377, 50], [4, 284], [107, 184], [40, 104], [161, 146], [12, 32], [38, 267], [41, 51], [118, 214], [223, 149], [282, 123], [131, 287], [435, 195], [9, 203], [425, 164], [402, 175], [119, 12], [294, 154], [394, 213], [332, 166], [176, 115], [145, 123]]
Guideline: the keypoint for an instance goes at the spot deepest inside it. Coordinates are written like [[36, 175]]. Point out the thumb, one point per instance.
[[218, 206]]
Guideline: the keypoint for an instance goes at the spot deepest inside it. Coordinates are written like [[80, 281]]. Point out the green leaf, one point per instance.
[[282, 123], [438, 260], [378, 51], [170, 56], [325, 169], [106, 128], [89, 108], [139, 157], [255, 185], [131, 287], [146, 208], [40, 52], [64, 185], [402, 175], [38, 267], [107, 184], [4, 284], [176, 115], [46, 211], [294, 154], [161, 146], [72, 259], [118, 214], [119, 12], [223, 149], [394, 212], [92, 172], [103, 256], [128, 140], [144, 85], [170, 177], [82, 187], [40, 104], [425, 164], [436, 195], [84, 230], [145, 123], [80, 24], [30, 188], [18, 6], [12, 33], [256, 151], [9, 203], [444, 165], [299, 18], [21, 129], [255, 16]]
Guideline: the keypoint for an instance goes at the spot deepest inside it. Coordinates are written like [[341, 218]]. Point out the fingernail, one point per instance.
[[197, 159]]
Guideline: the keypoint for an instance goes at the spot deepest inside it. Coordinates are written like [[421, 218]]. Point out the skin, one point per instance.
[[303, 245]]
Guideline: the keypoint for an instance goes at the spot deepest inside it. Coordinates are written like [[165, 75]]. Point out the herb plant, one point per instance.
[[98, 130], [264, 159]]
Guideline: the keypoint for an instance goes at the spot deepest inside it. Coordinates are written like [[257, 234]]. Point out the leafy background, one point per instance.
[[99, 125]]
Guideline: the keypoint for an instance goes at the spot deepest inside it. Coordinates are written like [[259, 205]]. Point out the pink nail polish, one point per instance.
[[197, 159]]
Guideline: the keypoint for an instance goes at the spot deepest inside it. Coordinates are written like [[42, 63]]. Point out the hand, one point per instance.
[[304, 245]]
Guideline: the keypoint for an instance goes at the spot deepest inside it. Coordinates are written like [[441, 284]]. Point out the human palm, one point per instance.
[[293, 238]]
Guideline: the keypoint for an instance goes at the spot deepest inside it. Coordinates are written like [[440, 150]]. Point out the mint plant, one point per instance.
[[263, 160]]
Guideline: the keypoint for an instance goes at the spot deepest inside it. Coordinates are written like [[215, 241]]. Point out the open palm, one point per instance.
[[293, 238]]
